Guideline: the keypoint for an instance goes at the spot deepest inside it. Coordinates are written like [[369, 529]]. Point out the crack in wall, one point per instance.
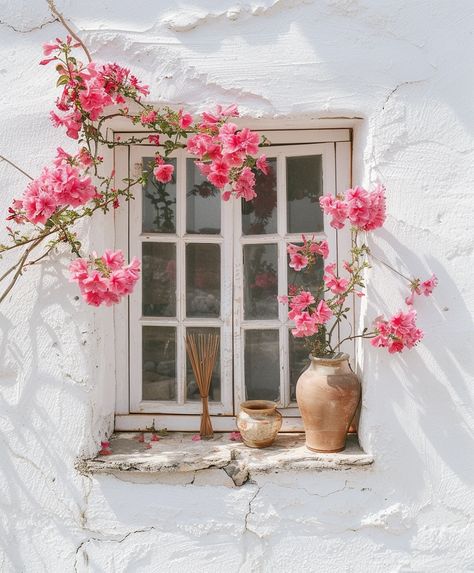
[[28, 30], [104, 539]]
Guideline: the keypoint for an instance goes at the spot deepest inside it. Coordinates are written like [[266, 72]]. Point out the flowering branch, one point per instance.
[[74, 186], [312, 313]]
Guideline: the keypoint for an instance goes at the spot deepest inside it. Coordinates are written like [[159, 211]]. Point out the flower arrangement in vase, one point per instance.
[[328, 392]]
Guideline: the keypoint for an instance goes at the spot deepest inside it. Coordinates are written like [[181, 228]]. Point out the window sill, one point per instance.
[[177, 453]]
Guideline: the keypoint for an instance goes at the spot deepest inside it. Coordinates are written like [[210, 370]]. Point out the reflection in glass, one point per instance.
[[203, 280], [260, 281], [159, 363], [203, 203], [304, 186], [299, 362], [262, 365], [159, 279], [192, 390], [311, 278], [259, 216], [159, 201]]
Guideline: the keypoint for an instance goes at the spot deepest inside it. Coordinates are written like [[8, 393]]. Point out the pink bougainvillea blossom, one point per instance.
[[235, 437], [104, 280], [298, 261], [163, 172], [397, 333], [421, 288], [363, 209]]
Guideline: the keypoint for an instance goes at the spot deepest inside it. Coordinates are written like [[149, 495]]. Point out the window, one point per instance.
[[215, 266]]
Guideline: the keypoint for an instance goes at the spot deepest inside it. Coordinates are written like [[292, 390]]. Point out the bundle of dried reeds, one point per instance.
[[202, 352]]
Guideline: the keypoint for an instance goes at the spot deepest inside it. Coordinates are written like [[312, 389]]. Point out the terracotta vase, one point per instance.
[[259, 423], [327, 393]]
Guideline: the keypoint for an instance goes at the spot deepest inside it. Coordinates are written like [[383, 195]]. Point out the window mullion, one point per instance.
[[181, 278]]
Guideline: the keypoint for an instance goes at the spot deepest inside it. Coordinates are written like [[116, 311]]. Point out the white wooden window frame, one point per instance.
[[132, 413]]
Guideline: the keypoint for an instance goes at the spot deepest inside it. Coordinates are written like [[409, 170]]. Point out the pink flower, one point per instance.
[[305, 324], [336, 208], [429, 285], [196, 438], [358, 206], [245, 185], [298, 261], [302, 300], [397, 333], [51, 47], [154, 139], [262, 164], [94, 99], [235, 437], [321, 248], [101, 286], [377, 209], [113, 259], [148, 117], [185, 120], [164, 172], [322, 313]]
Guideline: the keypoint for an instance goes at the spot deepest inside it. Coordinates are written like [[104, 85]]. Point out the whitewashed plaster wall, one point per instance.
[[405, 67]]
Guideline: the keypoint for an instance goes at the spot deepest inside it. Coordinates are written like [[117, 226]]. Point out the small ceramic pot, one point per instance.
[[259, 423], [327, 393]]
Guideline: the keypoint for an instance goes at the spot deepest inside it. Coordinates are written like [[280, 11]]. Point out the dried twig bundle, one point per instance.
[[202, 352]]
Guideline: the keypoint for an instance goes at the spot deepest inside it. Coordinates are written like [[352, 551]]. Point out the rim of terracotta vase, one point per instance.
[[256, 406], [326, 361]]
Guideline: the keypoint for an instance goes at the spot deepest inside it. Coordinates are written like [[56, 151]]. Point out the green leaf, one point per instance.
[[62, 80]]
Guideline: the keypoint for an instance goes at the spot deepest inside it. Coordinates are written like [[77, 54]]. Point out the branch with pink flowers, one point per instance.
[[316, 315], [75, 186]]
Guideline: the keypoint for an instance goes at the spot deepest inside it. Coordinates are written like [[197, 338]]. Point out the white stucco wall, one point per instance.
[[405, 67]]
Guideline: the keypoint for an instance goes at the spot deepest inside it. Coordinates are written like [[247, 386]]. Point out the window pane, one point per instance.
[[304, 186], [159, 279], [159, 201], [192, 390], [262, 365], [311, 278], [159, 363], [299, 362], [203, 280], [259, 216], [203, 203], [260, 281]]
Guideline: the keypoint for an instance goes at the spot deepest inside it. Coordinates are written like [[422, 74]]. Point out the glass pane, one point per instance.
[[159, 201], [203, 203], [260, 281], [203, 280], [311, 278], [304, 186], [159, 363], [259, 216], [192, 390], [159, 279], [262, 365], [299, 362]]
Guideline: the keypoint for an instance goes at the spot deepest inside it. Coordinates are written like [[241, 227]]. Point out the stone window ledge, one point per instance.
[[177, 453]]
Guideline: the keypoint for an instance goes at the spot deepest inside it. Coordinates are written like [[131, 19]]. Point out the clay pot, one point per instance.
[[259, 422], [327, 393]]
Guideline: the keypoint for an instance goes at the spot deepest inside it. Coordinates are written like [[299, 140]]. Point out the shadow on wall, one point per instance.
[[46, 419], [422, 407]]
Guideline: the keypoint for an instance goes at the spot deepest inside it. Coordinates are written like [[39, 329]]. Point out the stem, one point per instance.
[[2, 158], [390, 267], [20, 265], [365, 335], [61, 18]]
